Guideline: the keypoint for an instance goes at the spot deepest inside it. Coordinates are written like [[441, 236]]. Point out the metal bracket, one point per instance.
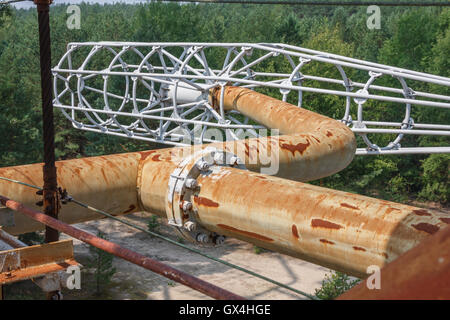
[[35, 261]]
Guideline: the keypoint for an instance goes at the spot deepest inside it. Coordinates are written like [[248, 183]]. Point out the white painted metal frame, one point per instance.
[[163, 91]]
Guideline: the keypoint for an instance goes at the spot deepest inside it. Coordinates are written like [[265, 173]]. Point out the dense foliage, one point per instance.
[[416, 38]]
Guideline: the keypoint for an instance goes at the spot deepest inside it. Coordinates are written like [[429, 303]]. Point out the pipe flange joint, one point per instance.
[[183, 187]]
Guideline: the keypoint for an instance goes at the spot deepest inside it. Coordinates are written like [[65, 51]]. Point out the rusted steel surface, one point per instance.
[[35, 271], [336, 229], [313, 146], [31, 256], [50, 190], [126, 254], [107, 182], [33, 261], [421, 273], [340, 230]]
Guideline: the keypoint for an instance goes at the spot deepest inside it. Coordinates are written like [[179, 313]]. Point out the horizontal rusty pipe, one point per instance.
[[121, 252], [422, 273], [107, 182], [336, 229]]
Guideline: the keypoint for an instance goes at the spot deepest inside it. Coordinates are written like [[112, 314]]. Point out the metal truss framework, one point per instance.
[[160, 92]]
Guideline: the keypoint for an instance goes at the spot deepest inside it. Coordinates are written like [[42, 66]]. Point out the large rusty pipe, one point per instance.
[[124, 253], [312, 146], [107, 182], [336, 229]]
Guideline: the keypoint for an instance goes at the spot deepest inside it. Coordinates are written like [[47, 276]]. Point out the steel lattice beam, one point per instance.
[[159, 91]]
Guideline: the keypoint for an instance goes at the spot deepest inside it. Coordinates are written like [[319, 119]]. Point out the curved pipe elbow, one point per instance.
[[312, 146]]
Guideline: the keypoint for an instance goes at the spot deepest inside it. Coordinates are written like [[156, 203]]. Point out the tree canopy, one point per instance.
[[414, 38]]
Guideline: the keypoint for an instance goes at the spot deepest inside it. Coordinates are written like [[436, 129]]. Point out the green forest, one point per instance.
[[413, 38]]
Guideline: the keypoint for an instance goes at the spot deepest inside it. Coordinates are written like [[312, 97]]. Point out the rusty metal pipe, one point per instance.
[[336, 229], [12, 241], [121, 252], [312, 146], [50, 190], [107, 182], [320, 147], [422, 273]]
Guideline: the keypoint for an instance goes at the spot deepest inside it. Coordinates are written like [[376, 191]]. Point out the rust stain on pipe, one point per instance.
[[126, 254], [426, 227], [156, 157], [319, 223], [349, 206], [421, 212], [295, 231], [300, 147], [445, 220], [205, 202]]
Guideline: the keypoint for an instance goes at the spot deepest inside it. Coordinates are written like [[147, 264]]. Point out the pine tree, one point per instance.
[[103, 263]]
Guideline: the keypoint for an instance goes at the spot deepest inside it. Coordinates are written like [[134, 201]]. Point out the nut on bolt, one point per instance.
[[190, 226], [55, 295], [202, 237], [234, 160], [218, 158], [186, 205], [203, 165], [219, 240], [191, 183]]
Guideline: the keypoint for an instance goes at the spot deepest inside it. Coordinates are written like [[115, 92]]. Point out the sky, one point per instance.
[[29, 4]]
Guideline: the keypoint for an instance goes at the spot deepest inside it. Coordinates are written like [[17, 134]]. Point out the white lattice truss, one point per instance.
[[159, 91]]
